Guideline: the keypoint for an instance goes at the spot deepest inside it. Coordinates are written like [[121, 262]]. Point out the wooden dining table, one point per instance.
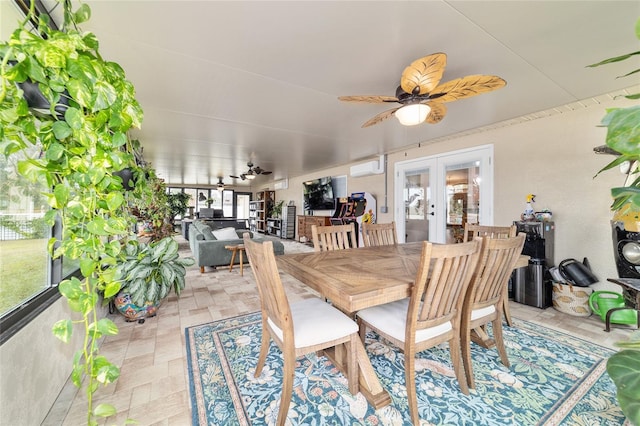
[[359, 278]]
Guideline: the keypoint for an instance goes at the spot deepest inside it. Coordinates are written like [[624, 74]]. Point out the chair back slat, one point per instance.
[[498, 257], [472, 230], [334, 237], [379, 234], [273, 298], [443, 277]]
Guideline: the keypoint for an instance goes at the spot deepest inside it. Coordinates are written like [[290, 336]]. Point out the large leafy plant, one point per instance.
[[150, 271], [150, 204], [624, 369], [81, 139], [623, 136], [178, 203]]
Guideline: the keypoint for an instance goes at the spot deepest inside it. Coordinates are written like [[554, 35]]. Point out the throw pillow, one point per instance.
[[226, 234]]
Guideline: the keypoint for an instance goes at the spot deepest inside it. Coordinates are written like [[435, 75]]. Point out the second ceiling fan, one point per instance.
[[422, 97], [251, 173]]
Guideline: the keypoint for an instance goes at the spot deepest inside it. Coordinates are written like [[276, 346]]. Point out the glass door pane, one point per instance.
[[415, 205], [417, 202], [227, 203], [435, 196], [242, 206], [463, 198]]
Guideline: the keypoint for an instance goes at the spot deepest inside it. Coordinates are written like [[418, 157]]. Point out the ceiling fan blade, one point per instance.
[[234, 177], [423, 74], [380, 117], [466, 87], [371, 99], [266, 172], [437, 113]]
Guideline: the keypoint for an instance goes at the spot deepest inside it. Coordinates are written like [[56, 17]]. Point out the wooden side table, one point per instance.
[[236, 249]]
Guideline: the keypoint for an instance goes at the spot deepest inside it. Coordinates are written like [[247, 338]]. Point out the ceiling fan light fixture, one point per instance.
[[250, 175], [410, 115]]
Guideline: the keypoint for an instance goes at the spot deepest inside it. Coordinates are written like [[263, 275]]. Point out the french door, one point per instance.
[[435, 196]]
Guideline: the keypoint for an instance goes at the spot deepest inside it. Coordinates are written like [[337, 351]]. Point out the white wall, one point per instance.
[[35, 366], [551, 157]]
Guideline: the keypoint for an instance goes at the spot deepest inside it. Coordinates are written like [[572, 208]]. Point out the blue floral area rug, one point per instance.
[[554, 379]]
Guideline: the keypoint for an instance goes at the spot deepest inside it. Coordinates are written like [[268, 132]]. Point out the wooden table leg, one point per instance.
[[370, 385], [479, 335], [233, 258], [505, 307], [241, 250]]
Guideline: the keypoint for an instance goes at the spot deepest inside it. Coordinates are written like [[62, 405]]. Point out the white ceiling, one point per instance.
[[222, 83]]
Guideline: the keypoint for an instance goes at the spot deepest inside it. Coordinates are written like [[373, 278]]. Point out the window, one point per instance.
[[28, 278], [217, 200]]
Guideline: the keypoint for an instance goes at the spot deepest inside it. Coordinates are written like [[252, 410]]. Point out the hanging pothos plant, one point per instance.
[[85, 106]]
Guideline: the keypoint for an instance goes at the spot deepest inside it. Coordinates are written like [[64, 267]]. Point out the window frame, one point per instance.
[[13, 321]]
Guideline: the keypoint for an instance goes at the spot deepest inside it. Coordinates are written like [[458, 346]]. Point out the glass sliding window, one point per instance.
[[242, 205], [215, 199], [202, 199], [227, 203], [24, 261], [175, 191], [193, 193]]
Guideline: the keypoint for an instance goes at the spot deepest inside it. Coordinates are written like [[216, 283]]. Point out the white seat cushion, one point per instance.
[[483, 312], [392, 319], [315, 321]]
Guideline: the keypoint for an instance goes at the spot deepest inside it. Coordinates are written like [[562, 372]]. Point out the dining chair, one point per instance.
[[379, 234], [298, 328], [483, 302], [472, 230], [431, 314], [334, 237]]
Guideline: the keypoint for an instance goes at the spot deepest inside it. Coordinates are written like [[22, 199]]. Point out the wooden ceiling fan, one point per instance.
[[422, 97]]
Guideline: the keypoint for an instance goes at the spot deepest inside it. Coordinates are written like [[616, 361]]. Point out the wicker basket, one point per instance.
[[571, 300]]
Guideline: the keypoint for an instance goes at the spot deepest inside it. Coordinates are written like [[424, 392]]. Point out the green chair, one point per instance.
[[611, 308]]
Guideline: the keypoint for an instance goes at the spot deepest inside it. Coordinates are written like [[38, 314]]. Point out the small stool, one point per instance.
[[236, 249]]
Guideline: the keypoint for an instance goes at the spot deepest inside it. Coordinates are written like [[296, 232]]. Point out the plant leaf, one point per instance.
[[63, 330], [624, 369], [104, 410]]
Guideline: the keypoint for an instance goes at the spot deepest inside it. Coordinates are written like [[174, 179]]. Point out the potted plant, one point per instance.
[[148, 273], [80, 135], [276, 210], [149, 203], [623, 137], [178, 203]]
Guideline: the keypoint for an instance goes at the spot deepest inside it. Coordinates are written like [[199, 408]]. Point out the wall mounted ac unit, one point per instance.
[[281, 184], [368, 168]]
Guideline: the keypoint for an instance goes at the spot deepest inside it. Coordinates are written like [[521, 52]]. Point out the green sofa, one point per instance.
[[210, 251]]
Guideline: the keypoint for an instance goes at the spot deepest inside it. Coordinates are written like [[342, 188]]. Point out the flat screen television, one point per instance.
[[318, 194]]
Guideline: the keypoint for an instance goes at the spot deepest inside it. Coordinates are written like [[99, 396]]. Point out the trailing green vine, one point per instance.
[[82, 140]]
